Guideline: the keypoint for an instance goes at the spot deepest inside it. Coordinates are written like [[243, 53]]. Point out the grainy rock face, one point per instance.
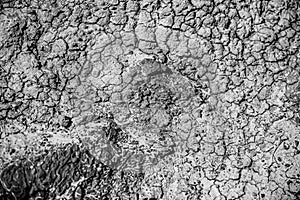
[[149, 99]]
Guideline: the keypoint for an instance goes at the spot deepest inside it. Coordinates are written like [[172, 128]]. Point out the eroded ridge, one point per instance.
[[149, 99]]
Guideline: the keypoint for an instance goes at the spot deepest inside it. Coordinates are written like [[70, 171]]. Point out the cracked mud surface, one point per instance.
[[149, 99]]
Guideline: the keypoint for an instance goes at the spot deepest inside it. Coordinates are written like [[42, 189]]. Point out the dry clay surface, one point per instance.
[[149, 100]]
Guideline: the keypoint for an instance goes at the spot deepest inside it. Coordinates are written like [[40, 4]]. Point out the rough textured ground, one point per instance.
[[149, 99]]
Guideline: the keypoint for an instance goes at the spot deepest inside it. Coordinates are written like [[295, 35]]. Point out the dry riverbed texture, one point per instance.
[[149, 100]]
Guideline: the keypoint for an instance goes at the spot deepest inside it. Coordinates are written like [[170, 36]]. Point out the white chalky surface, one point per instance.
[[149, 100]]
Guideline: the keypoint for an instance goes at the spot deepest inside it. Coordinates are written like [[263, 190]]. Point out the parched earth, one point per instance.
[[149, 99]]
